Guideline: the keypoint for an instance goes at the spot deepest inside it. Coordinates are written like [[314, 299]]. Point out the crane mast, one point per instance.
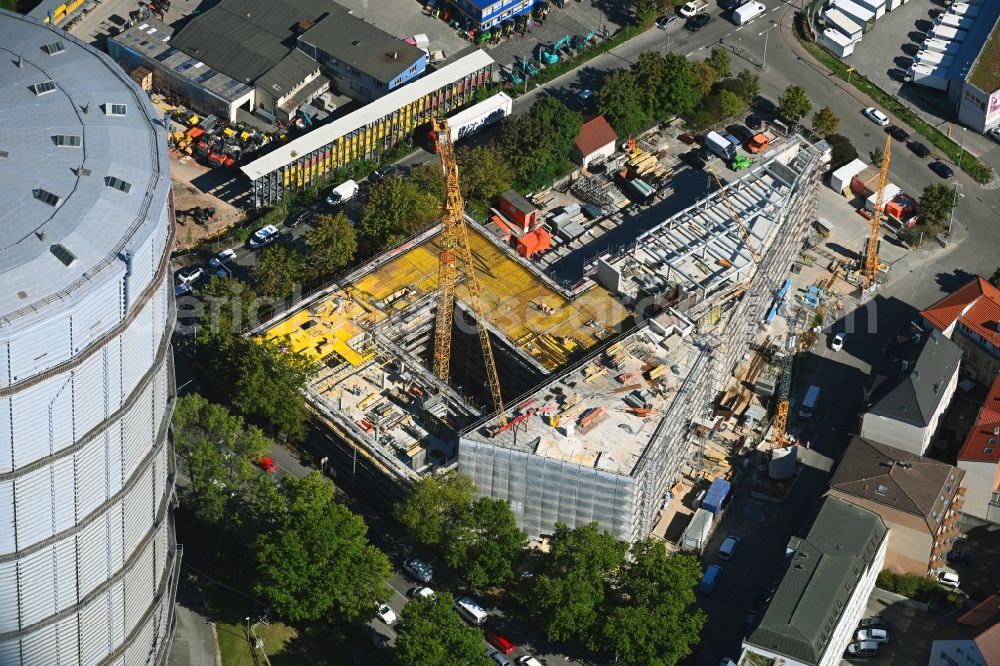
[[871, 252], [455, 241]]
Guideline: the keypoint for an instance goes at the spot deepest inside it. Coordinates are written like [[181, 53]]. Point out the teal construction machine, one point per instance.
[[550, 55]]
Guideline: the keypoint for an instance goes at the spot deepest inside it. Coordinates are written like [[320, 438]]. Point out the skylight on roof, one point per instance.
[[67, 140], [54, 48], [118, 184], [882, 489], [46, 197], [43, 87], [115, 109], [62, 254]]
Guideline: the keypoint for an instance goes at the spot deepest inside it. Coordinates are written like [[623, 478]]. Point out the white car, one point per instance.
[[385, 613], [876, 116], [264, 236], [527, 660], [880, 636], [948, 578], [190, 275], [425, 592], [838, 341], [223, 258], [866, 649]]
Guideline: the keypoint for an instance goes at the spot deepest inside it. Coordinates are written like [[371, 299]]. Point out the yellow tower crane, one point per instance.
[[455, 241], [871, 252]]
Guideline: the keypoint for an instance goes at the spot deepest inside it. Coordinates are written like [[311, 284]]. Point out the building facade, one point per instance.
[[88, 558], [824, 591], [484, 14], [974, 640], [979, 457], [919, 499], [969, 318]]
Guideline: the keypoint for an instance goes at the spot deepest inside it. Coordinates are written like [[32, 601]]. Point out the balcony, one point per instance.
[[961, 491]]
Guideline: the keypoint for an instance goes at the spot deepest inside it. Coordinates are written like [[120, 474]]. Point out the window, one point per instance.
[[67, 140], [43, 87], [882, 489], [118, 184], [54, 48], [115, 109], [46, 197], [62, 254]]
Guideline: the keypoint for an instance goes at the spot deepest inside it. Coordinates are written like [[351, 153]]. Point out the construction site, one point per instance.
[[596, 402]]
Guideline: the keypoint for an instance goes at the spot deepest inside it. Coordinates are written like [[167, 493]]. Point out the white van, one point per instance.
[[748, 12], [342, 193], [470, 610], [808, 407], [728, 547]]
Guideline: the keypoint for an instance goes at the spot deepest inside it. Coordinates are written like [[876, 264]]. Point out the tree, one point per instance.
[[794, 103], [390, 204], [645, 11], [569, 591], [487, 544], [936, 203], [563, 122], [620, 101], [278, 270], [825, 122], [704, 76], [654, 620], [875, 155], [229, 307], [316, 562], [995, 278], [434, 506], [485, 174], [267, 385], [428, 178], [842, 150], [432, 633], [679, 95], [332, 245], [720, 62], [731, 104], [537, 144], [650, 69], [749, 85]]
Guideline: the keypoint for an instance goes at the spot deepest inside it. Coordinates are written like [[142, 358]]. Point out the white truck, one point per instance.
[[955, 21], [808, 408], [342, 193], [720, 145], [476, 117], [748, 12], [947, 33], [693, 7]]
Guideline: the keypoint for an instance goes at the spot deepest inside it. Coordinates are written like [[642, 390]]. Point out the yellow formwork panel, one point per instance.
[[326, 328]]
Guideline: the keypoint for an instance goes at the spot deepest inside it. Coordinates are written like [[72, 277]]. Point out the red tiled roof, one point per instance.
[[976, 305], [978, 446], [981, 625], [595, 134]]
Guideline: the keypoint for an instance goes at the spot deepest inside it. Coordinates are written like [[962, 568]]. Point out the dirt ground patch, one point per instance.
[[187, 196]]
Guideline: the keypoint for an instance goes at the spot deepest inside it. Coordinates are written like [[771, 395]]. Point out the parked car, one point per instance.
[[866, 649], [583, 98], [880, 636], [874, 622], [422, 591], [381, 173], [693, 159], [941, 169], [728, 547], [697, 22], [898, 133], [265, 236], [876, 116], [496, 657], [267, 464], [754, 121], [222, 258], [665, 22], [527, 660], [419, 569], [740, 132], [711, 578], [918, 149], [385, 613], [190, 275], [948, 578], [837, 343], [958, 556], [182, 290], [298, 218], [995, 134], [500, 642]]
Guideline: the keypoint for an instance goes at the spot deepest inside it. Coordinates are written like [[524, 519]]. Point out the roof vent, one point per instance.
[[62, 254], [936, 387], [22, 295], [86, 108], [916, 374], [902, 408], [356, 42], [43, 87], [46, 197], [4, 153], [882, 489], [82, 171], [20, 61], [54, 48], [117, 184], [996, 430], [40, 235], [395, 55]]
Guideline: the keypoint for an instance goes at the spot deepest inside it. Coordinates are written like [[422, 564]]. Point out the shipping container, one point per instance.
[[948, 33], [929, 77], [955, 21], [698, 531], [469, 121], [717, 497]]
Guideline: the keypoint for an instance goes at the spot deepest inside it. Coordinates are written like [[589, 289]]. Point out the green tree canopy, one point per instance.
[[278, 270], [316, 562], [487, 544], [654, 621], [431, 633], [731, 104], [569, 591], [537, 144], [434, 506], [749, 85], [620, 101], [842, 150], [679, 95], [704, 77], [720, 62], [429, 178], [645, 11], [650, 72], [794, 103], [268, 384], [230, 308], [936, 203], [825, 122], [332, 246], [995, 278], [389, 207], [485, 174]]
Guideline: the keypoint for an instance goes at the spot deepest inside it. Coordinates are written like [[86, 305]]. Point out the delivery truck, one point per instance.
[[955, 21], [808, 408], [473, 119], [720, 145], [748, 12], [947, 33]]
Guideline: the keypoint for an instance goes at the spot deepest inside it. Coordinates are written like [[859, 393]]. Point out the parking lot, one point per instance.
[[911, 629]]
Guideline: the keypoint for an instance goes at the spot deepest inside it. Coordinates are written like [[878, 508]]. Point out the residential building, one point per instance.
[[979, 457], [918, 499], [974, 640], [595, 142], [970, 317], [484, 14], [88, 559], [909, 391], [824, 591]]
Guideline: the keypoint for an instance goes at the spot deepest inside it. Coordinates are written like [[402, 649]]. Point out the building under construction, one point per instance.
[[606, 382]]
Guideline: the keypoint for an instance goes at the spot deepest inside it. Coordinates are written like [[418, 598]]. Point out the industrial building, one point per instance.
[[88, 559], [608, 388], [268, 57], [364, 133], [485, 14]]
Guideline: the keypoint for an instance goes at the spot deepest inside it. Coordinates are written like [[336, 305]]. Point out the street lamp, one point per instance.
[[763, 62], [951, 217], [961, 148]]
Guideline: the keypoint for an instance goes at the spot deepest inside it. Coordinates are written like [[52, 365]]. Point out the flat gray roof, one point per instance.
[[58, 113], [363, 46]]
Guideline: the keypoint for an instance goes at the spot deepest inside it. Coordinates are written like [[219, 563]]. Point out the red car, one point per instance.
[[267, 464], [500, 642]]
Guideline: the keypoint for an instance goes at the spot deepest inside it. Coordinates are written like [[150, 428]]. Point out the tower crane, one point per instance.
[[454, 242], [870, 267], [780, 424]]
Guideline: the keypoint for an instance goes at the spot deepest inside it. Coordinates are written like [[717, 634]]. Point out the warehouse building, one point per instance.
[[485, 14], [88, 559], [604, 386], [269, 57], [368, 131]]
